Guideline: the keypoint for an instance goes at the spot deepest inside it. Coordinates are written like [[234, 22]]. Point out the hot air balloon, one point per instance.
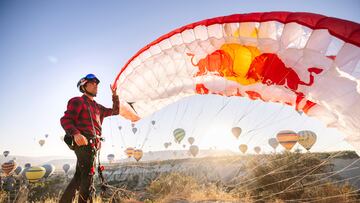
[[257, 149], [129, 152], [138, 153], [307, 139], [110, 158], [9, 184], [273, 143], [6, 153], [46, 135], [49, 170], [166, 145], [153, 122], [287, 138], [120, 127], [35, 173], [18, 170], [134, 130], [179, 134], [284, 57], [41, 142], [184, 146], [26, 167], [243, 148], [8, 167], [194, 150], [66, 167], [191, 140], [236, 131]]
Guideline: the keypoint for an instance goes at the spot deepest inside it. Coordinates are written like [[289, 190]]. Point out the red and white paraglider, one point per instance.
[[285, 57]]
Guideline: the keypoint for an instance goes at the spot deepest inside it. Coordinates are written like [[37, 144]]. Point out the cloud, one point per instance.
[[53, 59]]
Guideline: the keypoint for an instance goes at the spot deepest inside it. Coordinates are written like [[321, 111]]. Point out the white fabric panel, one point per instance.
[[319, 41], [348, 58], [164, 73]]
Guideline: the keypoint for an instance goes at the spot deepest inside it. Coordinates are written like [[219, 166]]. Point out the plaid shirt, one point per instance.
[[77, 120]]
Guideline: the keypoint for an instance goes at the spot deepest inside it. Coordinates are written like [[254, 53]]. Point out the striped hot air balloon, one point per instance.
[[35, 173], [129, 152], [179, 134], [243, 148], [138, 153], [287, 138], [307, 139], [8, 167]]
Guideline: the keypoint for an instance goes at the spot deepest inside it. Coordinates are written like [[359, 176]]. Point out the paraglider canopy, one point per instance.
[[284, 57]]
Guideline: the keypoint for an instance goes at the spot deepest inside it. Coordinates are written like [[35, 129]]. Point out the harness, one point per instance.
[[94, 142]]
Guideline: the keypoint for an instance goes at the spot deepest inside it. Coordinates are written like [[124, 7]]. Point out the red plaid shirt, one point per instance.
[[77, 120]]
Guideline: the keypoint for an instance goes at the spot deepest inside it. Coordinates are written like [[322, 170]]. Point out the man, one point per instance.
[[82, 123]]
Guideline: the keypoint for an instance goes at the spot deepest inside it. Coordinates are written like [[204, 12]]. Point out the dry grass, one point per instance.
[[279, 178]]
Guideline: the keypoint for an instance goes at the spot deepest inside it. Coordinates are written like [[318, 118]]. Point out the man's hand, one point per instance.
[[113, 90], [80, 140]]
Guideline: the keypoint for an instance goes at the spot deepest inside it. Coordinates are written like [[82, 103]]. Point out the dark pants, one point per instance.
[[83, 178]]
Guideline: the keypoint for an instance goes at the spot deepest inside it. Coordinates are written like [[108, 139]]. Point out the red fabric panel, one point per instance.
[[345, 30]]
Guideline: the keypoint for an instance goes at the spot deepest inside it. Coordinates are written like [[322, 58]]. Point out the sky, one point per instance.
[[47, 46]]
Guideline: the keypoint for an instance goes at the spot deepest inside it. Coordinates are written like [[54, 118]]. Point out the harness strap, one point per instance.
[[96, 138]]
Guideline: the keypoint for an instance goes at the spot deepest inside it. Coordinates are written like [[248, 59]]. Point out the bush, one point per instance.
[[172, 184], [289, 176]]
